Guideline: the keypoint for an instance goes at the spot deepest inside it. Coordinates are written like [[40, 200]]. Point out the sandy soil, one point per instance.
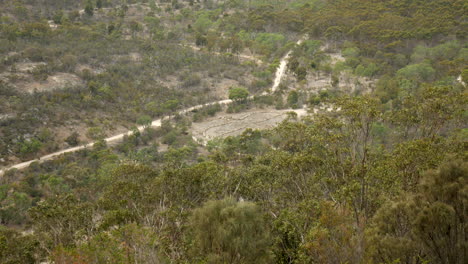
[[221, 87], [225, 125], [55, 81], [26, 67], [132, 56], [20, 76]]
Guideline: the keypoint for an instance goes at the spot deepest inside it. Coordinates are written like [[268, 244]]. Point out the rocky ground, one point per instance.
[[224, 125]]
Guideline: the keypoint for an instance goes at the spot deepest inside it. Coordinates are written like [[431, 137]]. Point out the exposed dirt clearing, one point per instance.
[[335, 57], [52, 24], [348, 83], [26, 67], [221, 88], [225, 125], [94, 70], [132, 56], [21, 77], [56, 81]]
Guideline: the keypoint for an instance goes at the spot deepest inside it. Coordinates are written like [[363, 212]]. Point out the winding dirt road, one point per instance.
[[156, 123]]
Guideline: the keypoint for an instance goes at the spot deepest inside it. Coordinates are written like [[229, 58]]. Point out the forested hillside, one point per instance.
[[375, 172]]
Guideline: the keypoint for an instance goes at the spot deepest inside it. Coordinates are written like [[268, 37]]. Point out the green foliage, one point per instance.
[[238, 94], [190, 80], [129, 243], [387, 89], [203, 23], [431, 220], [417, 72], [293, 99], [301, 73], [344, 185], [13, 207], [443, 51], [210, 110], [369, 71], [144, 120], [227, 231], [95, 133], [135, 27], [17, 248], [61, 220], [311, 46], [58, 16], [464, 75], [69, 62], [89, 8], [30, 146], [152, 5], [267, 43], [171, 105], [331, 239], [350, 52]]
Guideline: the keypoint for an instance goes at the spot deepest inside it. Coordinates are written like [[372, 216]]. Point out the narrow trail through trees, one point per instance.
[[282, 68], [156, 123]]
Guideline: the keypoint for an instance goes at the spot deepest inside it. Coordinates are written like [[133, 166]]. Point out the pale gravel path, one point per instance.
[[282, 68]]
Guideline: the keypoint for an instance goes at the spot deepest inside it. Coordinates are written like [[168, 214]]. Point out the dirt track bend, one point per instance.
[[156, 123]]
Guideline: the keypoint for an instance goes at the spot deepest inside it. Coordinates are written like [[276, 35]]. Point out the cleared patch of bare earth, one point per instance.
[[21, 77], [132, 56], [220, 88], [26, 67], [224, 125], [91, 69], [55, 81], [347, 81], [319, 80], [214, 87]]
